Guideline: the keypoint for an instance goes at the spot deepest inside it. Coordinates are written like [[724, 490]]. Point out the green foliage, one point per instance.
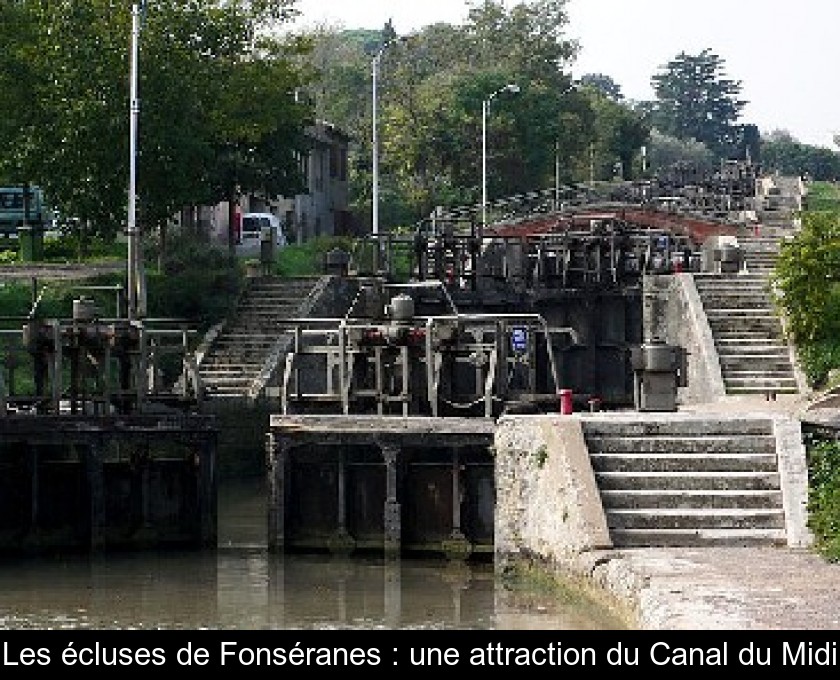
[[196, 281], [807, 280], [818, 358], [430, 92], [619, 134], [782, 153], [823, 196], [694, 100], [824, 497], [55, 298], [217, 93], [308, 259], [807, 276], [665, 151], [75, 246]]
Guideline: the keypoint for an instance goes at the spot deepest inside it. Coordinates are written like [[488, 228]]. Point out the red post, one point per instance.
[[565, 401]]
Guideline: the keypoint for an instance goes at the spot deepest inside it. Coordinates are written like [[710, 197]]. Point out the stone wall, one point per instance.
[[674, 313], [547, 500]]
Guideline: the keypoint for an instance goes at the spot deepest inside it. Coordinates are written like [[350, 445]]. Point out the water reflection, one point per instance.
[[242, 586]]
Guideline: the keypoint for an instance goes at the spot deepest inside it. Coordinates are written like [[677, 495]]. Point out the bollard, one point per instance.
[[594, 404], [565, 401]]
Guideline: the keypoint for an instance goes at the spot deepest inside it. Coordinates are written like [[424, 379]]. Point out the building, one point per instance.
[[321, 211]]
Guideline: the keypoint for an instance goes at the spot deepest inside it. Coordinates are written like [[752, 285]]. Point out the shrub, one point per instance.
[[824, 497]]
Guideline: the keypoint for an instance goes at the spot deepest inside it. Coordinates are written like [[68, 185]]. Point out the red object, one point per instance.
[[565, 401]]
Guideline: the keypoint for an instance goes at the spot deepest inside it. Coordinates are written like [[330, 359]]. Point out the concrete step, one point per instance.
[[760, 382], [687, 476], [692, 518], [693, 499], [745, 313], [706, 444], [607, 424], [735, 364], [684, 462], [237, 355], [760, 373], [719, 480], [231, 371], [772, 349], [718, 301], [676, 538], [230, 380]]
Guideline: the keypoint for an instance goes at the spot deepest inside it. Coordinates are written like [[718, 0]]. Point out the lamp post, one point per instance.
[[485, 108], [134, 274], [557, 159], [374, 133]]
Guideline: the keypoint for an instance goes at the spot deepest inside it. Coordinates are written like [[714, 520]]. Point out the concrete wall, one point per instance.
[[547, 501], [674, 313]]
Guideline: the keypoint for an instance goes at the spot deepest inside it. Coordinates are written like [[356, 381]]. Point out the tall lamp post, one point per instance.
[[485, 108], [374, 132], [557, 160], [135, 283]]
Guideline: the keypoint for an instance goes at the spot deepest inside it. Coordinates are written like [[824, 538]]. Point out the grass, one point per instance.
[[823, 196], [307, 259]]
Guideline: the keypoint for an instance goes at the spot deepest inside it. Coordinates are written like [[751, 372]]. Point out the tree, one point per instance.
[[430, 95], [214, 84], [783, 153], [619, 134], [603, 84], [807, 278], [694, 100]]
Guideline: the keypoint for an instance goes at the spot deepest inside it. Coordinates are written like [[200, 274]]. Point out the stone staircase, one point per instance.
[[760, 253], [688, 481], [754, 356], [238, 357]]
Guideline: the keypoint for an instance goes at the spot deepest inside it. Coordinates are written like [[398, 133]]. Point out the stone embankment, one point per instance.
[[732, 576]]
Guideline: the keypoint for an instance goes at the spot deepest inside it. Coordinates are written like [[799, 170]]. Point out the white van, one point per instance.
[[251, 230]]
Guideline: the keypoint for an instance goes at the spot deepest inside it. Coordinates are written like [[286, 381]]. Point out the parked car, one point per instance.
[[253, 226]]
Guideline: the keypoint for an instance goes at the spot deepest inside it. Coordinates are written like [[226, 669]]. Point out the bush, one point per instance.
[[807, 278], [824, 497], [197, 281], [818, 359], [74, 246]]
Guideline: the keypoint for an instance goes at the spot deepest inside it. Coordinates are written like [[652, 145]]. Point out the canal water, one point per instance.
[[241, 586]]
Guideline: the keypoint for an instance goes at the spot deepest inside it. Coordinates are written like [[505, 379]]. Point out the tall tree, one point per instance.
[[214, 83], [695, 100], [604, 84], [783, 153], [619, 134]]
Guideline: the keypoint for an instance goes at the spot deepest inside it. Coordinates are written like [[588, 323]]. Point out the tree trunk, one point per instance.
[[162, 248], [232, 223]]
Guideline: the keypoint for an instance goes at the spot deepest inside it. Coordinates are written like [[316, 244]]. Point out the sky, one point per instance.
[[782, 52]]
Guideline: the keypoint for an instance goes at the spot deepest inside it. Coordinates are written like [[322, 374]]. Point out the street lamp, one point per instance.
[[557, 159], [375, 136], [485, 108], [134, 273]]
